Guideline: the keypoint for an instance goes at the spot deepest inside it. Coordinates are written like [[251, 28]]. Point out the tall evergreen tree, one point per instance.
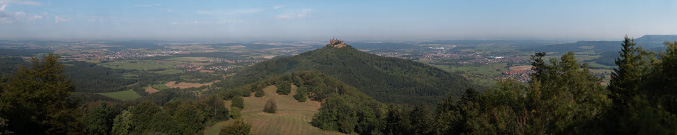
[[625, 82], [36, 100]]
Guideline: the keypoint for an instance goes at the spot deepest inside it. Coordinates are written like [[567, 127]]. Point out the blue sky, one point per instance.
[[347, 19]]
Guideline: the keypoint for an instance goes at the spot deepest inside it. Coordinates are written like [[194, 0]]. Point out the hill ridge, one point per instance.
[[385, 79]]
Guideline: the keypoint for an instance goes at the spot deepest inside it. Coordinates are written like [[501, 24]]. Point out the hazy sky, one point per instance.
[[319, 19]]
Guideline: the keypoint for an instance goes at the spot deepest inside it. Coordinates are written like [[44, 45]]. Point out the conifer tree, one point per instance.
[[624, 82]]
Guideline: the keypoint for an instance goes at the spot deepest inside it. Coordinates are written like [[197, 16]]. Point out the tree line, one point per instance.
[[563, 97]]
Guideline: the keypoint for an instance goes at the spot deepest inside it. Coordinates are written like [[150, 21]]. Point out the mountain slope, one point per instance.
[[385, 79]]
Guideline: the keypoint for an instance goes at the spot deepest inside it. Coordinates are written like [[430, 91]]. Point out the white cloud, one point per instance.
[[18, 16], [20, 2], [303, 13], [12, 17], [230, 12], [278, 6], [58, 19]]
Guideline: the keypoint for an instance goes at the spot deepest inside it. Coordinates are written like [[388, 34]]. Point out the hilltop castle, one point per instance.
[[336, 43]]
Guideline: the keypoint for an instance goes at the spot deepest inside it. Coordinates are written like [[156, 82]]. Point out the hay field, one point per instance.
[[292, 117]]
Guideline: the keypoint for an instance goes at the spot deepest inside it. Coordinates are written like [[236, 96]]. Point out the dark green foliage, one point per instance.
[[216, 109], [386, 79], [344, 109], [301, 94], [164, 96], [421, 119], [270, 107], [606, 58], [237, 128], [91, 78], [36, 100], [625, 83], [320, 86], [99, 119], [8, 65], [562, 98], [92, 97], [145, 118], [284, 88], [189, 119], [235, 112], [259, 93], [336, 114], [452, 114], [237, 102], [397, 121], [122, 124]]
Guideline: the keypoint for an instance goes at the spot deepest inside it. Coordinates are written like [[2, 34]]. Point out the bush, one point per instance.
[[259, 93], [237, 128], [301, 94], [284, 88], [235, 112], [270, 107], [237, 102]]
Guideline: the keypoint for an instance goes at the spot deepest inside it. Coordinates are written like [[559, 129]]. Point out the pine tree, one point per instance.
[[625, 82]]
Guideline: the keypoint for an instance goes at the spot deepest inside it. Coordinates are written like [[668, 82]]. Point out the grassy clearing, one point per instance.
[[122, 95], [292, 117], [184, 85], [160, 86]]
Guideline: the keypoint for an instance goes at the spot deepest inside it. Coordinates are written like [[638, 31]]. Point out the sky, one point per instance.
[[346, 19]]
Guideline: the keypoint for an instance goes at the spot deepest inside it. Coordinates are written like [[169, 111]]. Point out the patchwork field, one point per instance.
[[292, 117], [184, 85], [140, 65], [520, 68], [122, 95], [151, 90]]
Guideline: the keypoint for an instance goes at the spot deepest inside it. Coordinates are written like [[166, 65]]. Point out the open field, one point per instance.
[[160, 86], [184, 85], [489, 70], [151, 90], [122, 95], [140, 65], [292, 117], [188, 60], [520, 68]]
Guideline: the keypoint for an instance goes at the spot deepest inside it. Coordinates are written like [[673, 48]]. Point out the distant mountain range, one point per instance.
[[651, 42], [382, 78]]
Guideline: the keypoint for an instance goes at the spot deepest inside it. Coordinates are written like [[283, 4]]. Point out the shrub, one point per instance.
[[301, 94], [270, 107], [235, 112], [284, 88], [237, 128], [237, 102], [259, 93]]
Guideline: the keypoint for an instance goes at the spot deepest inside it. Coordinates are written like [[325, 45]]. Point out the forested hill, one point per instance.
[[650, 42], [385, 79]]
